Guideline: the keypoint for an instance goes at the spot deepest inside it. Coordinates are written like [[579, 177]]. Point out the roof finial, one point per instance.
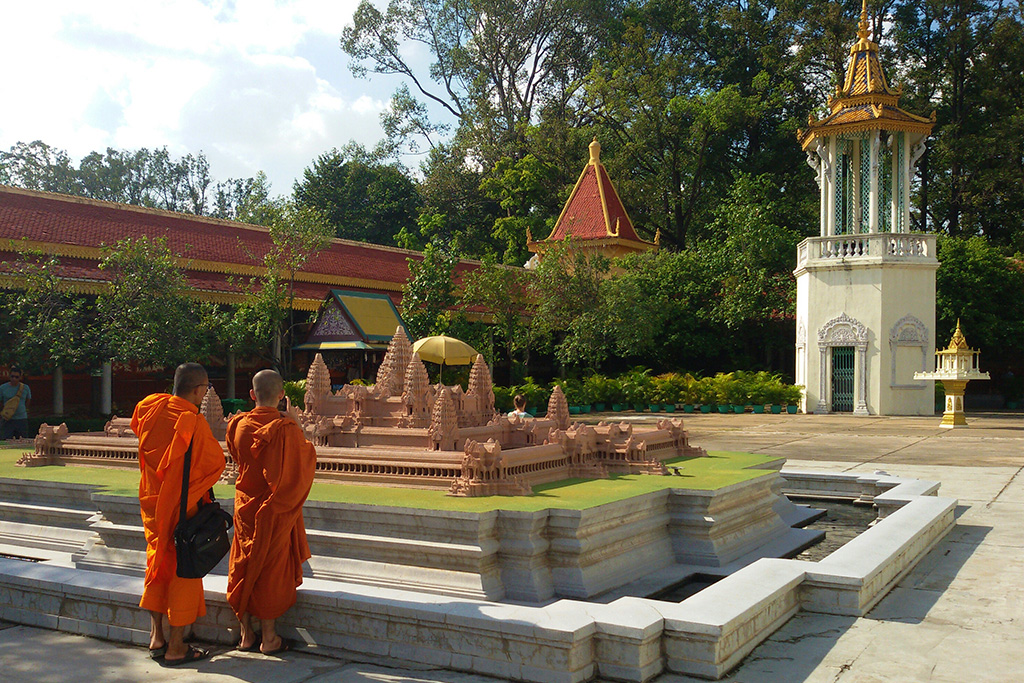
[[595, 151], [862, 28]]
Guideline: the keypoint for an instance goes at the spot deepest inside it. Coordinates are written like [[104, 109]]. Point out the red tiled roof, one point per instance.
[[214, 247], [584, 215]]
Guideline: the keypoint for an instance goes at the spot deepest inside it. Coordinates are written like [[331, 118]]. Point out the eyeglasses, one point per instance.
[[207, 386]]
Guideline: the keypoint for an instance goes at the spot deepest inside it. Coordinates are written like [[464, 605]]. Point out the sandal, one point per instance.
[[194, 654], [286, 646], [157, 652], [255, 644]]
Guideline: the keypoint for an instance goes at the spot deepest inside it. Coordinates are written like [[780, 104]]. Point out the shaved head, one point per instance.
[[267, 387], [187, 377]]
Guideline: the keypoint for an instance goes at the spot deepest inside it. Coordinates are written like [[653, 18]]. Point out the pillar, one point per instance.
[[231, 375], [106, 388], [875, 141], [58, 391], [830, 218], [862, 380], [823, 369]]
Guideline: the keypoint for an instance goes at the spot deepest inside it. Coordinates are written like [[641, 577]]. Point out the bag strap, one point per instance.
[[21, 388], [184, 481]]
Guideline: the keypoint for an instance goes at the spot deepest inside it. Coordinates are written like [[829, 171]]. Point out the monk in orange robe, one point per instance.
[[165, 424], [275, 472]]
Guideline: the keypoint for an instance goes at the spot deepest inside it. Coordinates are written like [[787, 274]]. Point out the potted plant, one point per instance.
[[793, 395], [636, 387]]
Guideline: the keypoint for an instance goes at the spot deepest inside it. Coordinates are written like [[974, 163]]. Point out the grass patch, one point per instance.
[[719, 469]]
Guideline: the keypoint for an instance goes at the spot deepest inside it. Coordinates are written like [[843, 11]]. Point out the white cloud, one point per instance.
[[255, 84]]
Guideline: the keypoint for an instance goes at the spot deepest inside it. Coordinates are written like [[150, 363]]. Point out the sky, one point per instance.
[[253, 84]]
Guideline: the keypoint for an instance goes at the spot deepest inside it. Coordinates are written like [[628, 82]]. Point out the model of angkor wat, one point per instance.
[[403, 431]]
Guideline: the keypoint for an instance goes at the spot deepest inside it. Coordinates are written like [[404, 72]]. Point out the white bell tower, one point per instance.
[[865, 306]]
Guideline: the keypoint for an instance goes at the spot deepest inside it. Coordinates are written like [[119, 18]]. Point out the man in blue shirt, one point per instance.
[[16, 427]]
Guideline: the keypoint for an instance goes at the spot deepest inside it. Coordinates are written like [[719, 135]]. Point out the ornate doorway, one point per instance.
[[842, 379]]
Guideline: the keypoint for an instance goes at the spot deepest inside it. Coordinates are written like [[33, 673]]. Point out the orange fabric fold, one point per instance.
[[276, 465], [165, 425]]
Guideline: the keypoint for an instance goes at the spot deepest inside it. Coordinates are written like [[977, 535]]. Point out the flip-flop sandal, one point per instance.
[[157, 652], [255, 647], [286, 646], [194, 654]]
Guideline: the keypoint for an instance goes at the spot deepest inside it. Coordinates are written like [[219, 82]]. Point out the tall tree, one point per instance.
[[492, 64], [147, 314], [362, 199], [429, 294]]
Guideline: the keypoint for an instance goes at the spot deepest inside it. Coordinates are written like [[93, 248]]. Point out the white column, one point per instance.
[[106, 389], [58, 391], [906, 182], [862, 380], [875, 141], [857, 179], [823, 370], [830, 219], [231, 375], [894, 196]]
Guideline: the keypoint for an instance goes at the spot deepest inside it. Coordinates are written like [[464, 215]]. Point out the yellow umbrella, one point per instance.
[[444, 350]]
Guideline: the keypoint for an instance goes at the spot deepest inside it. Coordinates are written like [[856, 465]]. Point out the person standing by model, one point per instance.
[[14, 423]]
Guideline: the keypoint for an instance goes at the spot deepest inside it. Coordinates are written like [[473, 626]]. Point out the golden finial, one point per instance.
[[862, 28], [958, 341], [595, 151]]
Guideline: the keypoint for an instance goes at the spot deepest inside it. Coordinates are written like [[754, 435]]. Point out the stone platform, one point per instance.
[[566, 641]]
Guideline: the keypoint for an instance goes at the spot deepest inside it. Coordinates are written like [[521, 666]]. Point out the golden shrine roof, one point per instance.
[[865, 100], [594, 212]]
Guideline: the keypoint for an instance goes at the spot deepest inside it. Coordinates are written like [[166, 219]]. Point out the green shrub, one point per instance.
[[296, 393], [503, 399]]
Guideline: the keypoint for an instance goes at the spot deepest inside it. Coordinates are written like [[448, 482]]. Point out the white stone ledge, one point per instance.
[[629, 639]]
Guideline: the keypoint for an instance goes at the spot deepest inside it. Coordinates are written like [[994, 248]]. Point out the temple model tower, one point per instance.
[[865, 307]]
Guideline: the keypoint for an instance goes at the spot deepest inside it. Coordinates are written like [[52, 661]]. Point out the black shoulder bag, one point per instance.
[[202, 541]]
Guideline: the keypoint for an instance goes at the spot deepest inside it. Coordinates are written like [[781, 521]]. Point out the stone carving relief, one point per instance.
[[908, 331]]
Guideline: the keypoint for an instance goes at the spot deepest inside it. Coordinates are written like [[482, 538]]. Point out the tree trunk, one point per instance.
[[230, 391], [58, 391], [106, 389]]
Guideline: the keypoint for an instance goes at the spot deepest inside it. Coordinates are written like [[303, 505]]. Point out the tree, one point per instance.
[[297, 233], [429, 294], [147, 315], [360, 198], [523, 189], [564, 291], [55, 329], [142, 178], [981, 288], [492, 63], [499, 293], [37, 166]]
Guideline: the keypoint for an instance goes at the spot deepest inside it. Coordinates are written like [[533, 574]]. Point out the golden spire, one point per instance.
[[862, 28], [958, 341], [595, 151]]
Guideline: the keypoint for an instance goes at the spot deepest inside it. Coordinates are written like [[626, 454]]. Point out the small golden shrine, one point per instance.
[[955, 366], [594, 218]]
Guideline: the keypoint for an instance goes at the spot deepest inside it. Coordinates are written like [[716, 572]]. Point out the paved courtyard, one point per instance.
[[956, 617]]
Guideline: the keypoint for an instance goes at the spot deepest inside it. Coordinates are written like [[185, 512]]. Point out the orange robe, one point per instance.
[[276, 465], [165, 424]]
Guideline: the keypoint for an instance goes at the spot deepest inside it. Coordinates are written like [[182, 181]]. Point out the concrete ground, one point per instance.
[[956, 617]]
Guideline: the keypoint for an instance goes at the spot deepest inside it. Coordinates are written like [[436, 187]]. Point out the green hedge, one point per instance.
[[639, 387]]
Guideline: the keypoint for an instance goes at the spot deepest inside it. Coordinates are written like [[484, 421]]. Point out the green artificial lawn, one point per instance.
[[718, 470]]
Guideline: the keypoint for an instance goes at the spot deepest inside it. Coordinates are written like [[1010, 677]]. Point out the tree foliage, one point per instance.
[[147, 315], [360, 198], [142, 177], [429, 294]]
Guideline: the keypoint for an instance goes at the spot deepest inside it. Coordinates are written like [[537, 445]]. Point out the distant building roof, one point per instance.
[[218, 256], [594, 216]]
